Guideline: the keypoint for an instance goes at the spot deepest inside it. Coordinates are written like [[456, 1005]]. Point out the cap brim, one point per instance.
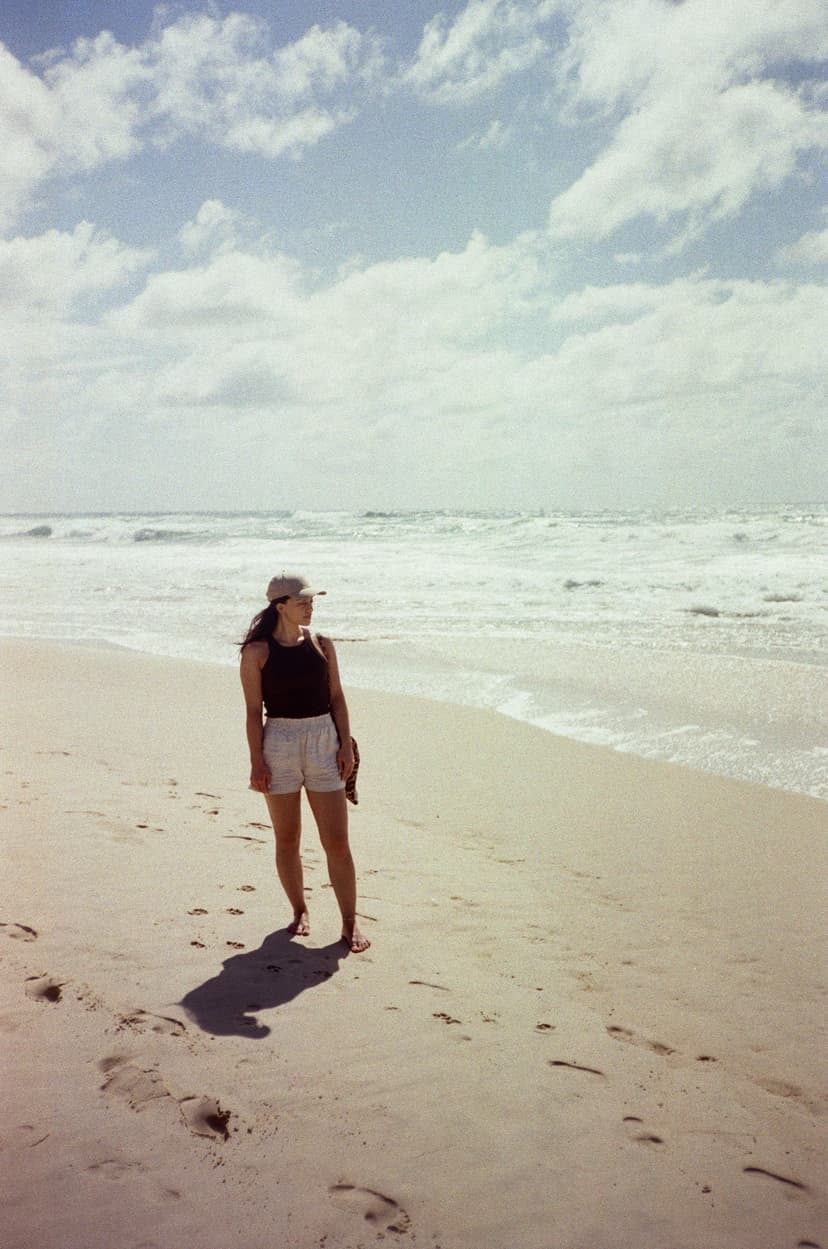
[[308, 593]]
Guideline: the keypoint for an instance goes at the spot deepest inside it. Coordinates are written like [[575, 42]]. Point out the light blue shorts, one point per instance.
[[301, 752]]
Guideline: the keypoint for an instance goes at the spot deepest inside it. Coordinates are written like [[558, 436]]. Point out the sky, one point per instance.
[[339, 254]]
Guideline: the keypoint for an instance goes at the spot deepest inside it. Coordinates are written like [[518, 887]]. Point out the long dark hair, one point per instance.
[[264, 624]]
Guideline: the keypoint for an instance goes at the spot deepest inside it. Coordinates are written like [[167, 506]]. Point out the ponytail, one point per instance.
[[264, 624]]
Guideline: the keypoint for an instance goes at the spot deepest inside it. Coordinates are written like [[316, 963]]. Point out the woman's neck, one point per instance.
[[288, 635]]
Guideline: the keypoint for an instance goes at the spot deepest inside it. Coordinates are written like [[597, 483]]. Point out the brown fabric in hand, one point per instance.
[[350, 784]]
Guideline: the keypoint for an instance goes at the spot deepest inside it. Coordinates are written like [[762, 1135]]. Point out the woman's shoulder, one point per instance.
[[319, 641], [256, 653]]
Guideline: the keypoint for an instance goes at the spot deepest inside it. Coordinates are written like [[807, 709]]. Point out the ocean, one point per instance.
[[691, 636]]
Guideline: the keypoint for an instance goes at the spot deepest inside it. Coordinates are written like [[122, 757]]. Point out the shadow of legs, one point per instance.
[[258, 980]]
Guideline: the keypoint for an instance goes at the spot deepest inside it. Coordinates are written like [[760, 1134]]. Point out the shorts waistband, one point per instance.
[[309, 722]]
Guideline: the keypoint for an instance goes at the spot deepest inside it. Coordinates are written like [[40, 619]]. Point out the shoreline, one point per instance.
[[592, 975], [727, 733]]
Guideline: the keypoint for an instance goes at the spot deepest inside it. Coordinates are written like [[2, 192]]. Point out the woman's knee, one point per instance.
[[336, 846], [288, 839]]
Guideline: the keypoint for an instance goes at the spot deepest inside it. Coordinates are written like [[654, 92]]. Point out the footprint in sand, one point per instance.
[[198, 910], [205, 1117], [165, 1025], [780, 1179], [781, 1088], [19, 932], [380, 1211], [235, 945], [22, 1136], [445, 1018], [631, 1038], [813, 1103], [590, 983], [44, 988], [636, 1131], [199, 945], [113, 1168], [466, 901], [139, 1087], [247, 888], [559, 1062], [233, 910], [117, 1169]]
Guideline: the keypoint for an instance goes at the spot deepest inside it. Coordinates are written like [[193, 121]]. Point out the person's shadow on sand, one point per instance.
[[259, 980]]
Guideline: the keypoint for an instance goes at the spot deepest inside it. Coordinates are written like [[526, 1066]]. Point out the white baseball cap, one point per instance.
[[290, 585]]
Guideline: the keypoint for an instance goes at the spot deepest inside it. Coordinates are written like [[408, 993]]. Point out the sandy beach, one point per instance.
[[592, 1016]]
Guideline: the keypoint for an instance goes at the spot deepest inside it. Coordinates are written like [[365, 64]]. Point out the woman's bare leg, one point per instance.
[[331, 815], [286, 817]]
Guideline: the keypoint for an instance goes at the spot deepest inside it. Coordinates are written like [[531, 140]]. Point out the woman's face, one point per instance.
[[297, 611]]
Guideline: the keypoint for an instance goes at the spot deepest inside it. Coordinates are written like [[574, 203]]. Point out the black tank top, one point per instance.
[[295, 681]]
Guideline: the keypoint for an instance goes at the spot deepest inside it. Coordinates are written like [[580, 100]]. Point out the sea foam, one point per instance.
[[692, 636]]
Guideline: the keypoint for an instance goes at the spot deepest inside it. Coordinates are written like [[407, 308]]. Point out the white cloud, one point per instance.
[[322, 60], [698, 336], [82, 112], [52, 273], [495, 137], [811, 249], [220, 80], [675, 391], [620, 51], [275, 137], [372, 334], [233, 294], [97, 90], [26, 112], [699, 120], [215, 225], [667, 161], [489, 42]]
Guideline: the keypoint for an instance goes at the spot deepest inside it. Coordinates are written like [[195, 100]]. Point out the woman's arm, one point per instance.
[[339, 711], [253, 659]]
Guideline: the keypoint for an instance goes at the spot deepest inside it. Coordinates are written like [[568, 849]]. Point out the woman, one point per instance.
[[305, 740]]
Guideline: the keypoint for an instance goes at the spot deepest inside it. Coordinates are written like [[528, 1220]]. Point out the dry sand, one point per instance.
[[590, 1018]]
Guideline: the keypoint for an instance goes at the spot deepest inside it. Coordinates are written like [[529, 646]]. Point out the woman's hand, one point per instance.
[[345, 760], [260, 777]]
